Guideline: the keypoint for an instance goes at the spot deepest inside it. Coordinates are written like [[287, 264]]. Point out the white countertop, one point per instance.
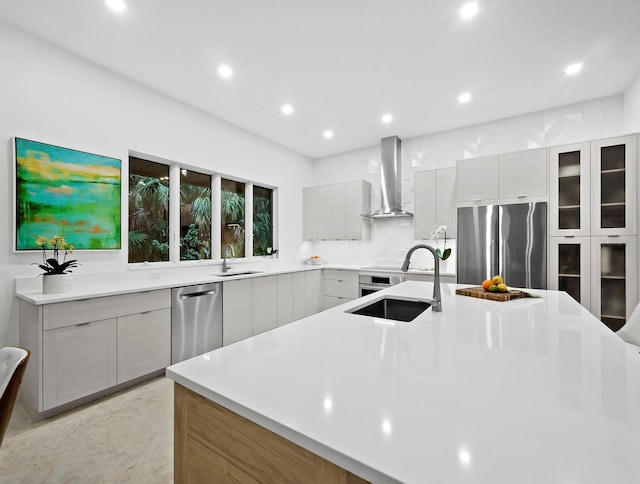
[[525, 391], [86, 286]]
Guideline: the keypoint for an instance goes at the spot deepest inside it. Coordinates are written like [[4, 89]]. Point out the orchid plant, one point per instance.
[[436, 233], [53, 265]]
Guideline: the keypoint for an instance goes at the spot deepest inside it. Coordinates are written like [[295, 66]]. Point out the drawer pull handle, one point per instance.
[[83, 324], [569, 236], [522, 196], [145, 312], [613, 236]]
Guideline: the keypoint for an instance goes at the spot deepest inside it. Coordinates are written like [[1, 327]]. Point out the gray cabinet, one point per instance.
[[334, 212], [339, 286], [237, 310], [87, 347], [435, 202]]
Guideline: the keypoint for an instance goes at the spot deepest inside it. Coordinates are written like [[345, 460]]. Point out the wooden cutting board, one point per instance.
[[494, 296]]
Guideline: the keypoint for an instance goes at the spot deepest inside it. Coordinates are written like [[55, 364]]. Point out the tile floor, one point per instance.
[[126, 437]]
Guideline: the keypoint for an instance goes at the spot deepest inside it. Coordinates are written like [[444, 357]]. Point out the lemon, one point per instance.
[[503, 287], [497, 280]]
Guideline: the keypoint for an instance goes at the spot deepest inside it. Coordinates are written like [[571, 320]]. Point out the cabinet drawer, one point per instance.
[[340, 275], [69, 313], [341, 288], [333, 301]]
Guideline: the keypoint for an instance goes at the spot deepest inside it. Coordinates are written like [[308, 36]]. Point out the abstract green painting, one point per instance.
[[66, 192]]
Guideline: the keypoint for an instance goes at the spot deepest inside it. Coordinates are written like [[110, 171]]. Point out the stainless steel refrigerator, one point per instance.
[[506, 240]]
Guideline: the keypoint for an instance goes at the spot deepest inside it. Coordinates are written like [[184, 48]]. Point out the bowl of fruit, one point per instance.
[[495, 284], [315, 260]]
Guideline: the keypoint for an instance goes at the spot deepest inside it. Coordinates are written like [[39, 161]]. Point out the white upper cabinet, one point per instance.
[[334, 212], [523, 175], [435, 202], [613, 186], [569, 190], [508, 178], [478, 180]]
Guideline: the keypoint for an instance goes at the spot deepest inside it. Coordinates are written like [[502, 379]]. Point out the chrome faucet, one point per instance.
[[225, 267], [436, 302]]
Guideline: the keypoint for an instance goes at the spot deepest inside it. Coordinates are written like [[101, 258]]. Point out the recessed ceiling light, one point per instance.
[[287, 109], [465, 97], [573, 69], [225, 71], [328, 134], [387, 118], [469, 10], [117, 6]]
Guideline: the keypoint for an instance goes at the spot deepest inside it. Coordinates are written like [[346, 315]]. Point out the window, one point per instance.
[[262, 221], [148, 211], [195, 215], [232, 197]]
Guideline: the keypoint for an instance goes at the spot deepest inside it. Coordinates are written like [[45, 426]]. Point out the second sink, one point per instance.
[[393, 308]]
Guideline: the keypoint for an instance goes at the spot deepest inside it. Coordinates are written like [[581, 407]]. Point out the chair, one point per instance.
[[630, 332], [13, 362]]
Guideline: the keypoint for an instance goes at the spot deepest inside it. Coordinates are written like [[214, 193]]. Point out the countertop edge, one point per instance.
[[338, 458]]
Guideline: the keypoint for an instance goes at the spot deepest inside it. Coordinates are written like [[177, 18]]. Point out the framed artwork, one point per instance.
[[66, 192]]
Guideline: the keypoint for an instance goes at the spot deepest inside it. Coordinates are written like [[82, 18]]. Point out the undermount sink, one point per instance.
[[393, 308], [230, 274]]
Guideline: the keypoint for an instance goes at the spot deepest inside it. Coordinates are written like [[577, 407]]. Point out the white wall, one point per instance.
[[632, 107], [51, 96], [391, 239]]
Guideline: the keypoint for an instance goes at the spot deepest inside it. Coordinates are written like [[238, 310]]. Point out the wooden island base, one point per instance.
[[214, 444]]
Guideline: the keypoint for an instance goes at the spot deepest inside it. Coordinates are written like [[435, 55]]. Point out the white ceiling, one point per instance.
[[344, 63]]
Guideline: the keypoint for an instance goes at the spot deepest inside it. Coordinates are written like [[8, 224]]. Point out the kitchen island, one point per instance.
[[531, 390]]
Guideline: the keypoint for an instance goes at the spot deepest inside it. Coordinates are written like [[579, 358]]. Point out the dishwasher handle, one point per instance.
[[212, 292]]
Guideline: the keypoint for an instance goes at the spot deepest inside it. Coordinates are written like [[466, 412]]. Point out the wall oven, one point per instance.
[[371, 282]]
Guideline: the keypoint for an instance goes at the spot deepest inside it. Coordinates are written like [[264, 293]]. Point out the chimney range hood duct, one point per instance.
[[390, 181]]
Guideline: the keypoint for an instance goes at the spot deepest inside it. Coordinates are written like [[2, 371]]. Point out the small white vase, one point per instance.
[[55, 283]]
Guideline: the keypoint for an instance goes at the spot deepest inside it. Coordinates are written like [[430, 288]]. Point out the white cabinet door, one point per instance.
[[264, 304], [570, 190], [78, 361], [424, 205], [357, 202], [614, 186], [237, 310], [144, 343], [310, 213], [446, 191], [338, 214], [284, 303], [523, 174], [313, 292], [325, 226], [478, 179], [435, 203], [299, 295], [570, 267], [614, 275]]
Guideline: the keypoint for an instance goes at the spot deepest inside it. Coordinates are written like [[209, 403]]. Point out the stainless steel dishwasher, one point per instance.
[[196, 320]]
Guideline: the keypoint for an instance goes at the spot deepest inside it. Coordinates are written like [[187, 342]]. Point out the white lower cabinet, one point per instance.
[[614, 279], [264, 304], [237, 310], [339, 286], [254, 305], [78, 360], [144, 343], [80, 348], [570, 267], [601, 273]]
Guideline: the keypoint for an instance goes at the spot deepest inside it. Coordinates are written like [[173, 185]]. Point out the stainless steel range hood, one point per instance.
[[390, 181]]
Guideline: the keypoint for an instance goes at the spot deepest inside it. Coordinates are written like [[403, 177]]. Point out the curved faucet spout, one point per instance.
[[437, 298]]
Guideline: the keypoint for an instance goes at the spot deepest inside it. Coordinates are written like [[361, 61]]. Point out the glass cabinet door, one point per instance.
[[569, 184], [614, 289], [613, 180], [570, 263]]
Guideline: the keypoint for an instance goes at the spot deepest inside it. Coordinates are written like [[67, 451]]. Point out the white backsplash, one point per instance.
[[391, 238]]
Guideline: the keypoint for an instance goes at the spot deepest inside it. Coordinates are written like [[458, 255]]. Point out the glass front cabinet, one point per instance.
[[593, 246]]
